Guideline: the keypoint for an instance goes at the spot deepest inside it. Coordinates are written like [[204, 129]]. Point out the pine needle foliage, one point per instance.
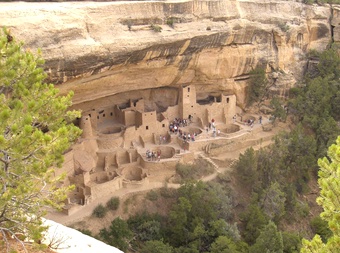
[[329, 182], [35, 131]]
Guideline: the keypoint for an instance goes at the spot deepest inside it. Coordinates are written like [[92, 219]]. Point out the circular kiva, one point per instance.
[[232, 128]]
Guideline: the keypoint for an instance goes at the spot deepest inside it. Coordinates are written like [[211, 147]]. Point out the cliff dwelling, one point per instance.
[[128, 145]]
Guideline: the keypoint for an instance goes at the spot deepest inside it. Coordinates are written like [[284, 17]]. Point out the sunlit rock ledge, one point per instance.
[[99, 49]]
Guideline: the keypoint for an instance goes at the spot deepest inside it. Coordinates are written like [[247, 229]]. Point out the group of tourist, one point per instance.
[[177, 123], [187, 136], [175, 126], [153, 155]]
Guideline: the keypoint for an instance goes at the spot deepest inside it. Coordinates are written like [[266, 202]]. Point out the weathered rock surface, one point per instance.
[[99, 49]]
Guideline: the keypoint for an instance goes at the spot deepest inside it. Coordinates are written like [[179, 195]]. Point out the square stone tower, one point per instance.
[[187, 101]]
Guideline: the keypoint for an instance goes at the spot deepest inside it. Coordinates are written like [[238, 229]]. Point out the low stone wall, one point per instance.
[[160, 171], [235, 145], [71, 209], [110, 142], [132, 173], [111, 130], [133, 184], [107, 188], [232, 128]]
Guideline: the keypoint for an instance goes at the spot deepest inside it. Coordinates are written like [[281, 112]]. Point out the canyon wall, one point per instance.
[[100, 49]]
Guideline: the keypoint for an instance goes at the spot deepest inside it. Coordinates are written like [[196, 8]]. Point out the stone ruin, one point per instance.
[[112, 151]]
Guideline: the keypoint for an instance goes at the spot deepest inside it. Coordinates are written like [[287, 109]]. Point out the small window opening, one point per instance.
[[227, 100], [147, 127]]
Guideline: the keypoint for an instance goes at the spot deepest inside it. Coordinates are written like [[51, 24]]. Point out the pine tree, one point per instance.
[[269, 240], [329, 182], [35, 130]]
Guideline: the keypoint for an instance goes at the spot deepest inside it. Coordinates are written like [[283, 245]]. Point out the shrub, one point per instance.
[[291, 242], [184, 170], [156, 246], [113, 203], [129, 24], [100, 211], [284, 27], [195, 171], [156, 28], [320, 227], [168, 192], [118, 234], [302, 208], [152, 195], [85, 231], [170, 22]]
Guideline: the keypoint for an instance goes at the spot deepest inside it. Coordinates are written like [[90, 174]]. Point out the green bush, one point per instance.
[[118, 234], [194, 171], [156, 28], [85, 232], [291, 242], [184, 170], [100, 211], [284, 27], [320, 227], [129, 24], [113, 203], [152, 195], [168, 192], [170, 22], [156, 246]]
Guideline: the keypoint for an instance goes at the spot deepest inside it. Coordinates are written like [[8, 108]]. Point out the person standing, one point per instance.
[[159, 154]]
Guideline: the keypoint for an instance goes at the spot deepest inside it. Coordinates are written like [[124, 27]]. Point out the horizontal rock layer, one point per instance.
[[99, 49]]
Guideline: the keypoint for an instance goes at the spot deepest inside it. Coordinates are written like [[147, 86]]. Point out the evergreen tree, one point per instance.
[[254, 220], [223, 244], [329, 182], [258, 88], [246, 169], [35, 131], [117, 235], [291, 242], [269, 241], [156, 247], [273, 201]]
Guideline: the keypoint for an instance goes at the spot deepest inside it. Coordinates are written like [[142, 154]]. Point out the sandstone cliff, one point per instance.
[[99, 49]]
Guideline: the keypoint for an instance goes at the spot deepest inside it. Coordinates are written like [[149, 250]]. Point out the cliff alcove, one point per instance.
[[131, 81]]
